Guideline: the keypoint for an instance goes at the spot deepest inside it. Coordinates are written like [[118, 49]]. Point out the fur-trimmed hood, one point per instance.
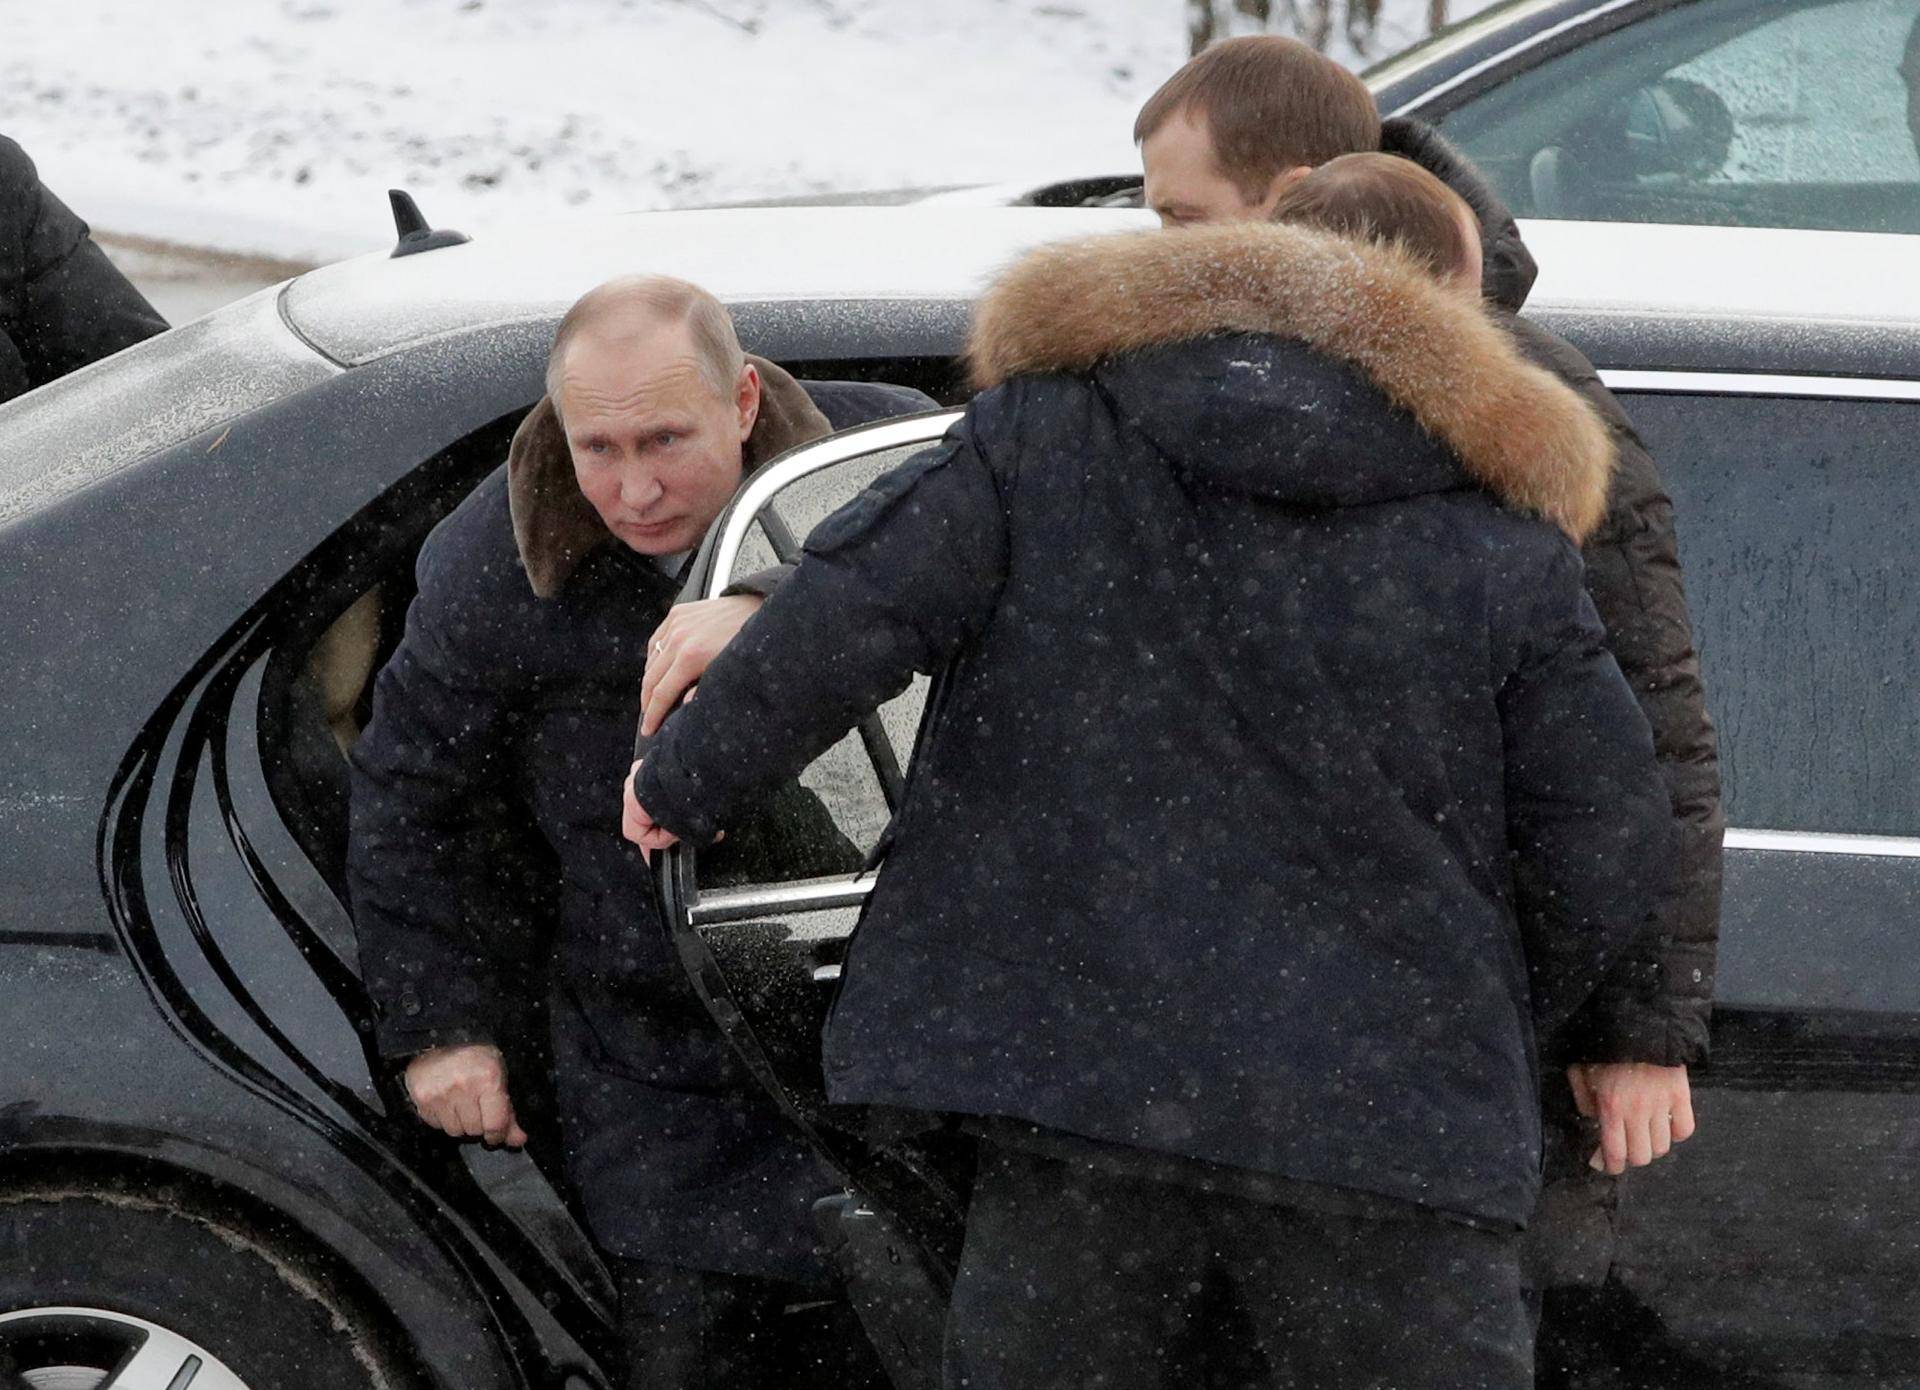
[[554, 525], [1105, 304]]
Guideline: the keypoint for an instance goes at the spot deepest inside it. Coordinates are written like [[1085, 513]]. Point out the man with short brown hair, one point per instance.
[[1233, 127], [1379, 197], [1626, 1055]]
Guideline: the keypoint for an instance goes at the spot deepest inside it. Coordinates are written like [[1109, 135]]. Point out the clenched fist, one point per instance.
[[639, 827], [1643, 1110], [463, 1090]]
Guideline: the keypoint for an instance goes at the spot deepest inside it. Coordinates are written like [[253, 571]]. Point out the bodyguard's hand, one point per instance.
[[638, 826], [463, 1090], [1643, 1110], [683, 647]]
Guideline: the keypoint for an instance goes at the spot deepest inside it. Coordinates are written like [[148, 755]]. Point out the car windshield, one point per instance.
[[75, 431]]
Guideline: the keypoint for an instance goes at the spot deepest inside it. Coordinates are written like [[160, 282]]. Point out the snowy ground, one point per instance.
[[274, 127]]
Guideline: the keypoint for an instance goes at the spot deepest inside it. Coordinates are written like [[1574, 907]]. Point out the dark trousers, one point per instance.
[[689, 1329], [1074, 1276]]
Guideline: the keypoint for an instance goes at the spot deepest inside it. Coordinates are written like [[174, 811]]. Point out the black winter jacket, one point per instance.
[[1655, 1007], [486, 863], [1281, 782], [62, 303]]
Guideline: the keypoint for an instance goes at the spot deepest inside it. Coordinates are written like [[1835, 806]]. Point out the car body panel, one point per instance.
[[112, 1111], [85, 426]]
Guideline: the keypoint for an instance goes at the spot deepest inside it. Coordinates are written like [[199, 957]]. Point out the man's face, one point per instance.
[[1185, 185], [655, 448]]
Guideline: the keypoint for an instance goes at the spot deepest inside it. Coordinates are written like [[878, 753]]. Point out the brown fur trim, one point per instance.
[[1518, 430], [554, 525]]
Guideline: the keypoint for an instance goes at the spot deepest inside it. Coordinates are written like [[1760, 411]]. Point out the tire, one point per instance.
[[86, 1278]]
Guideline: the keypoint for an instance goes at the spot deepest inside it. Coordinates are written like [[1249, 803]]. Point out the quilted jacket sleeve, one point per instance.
[[1655, 1005]]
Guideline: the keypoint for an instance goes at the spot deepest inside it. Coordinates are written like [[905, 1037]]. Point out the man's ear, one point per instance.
[[746, 396], [1282, 181]]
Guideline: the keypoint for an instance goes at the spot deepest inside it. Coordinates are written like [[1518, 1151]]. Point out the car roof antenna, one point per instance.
[[411, 223]]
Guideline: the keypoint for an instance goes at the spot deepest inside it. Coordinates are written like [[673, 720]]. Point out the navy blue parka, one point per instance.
[[1280, 784]]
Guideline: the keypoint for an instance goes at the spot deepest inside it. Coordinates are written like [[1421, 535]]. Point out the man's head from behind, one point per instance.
[[1383, 198], [1225, 134], [656, 400]]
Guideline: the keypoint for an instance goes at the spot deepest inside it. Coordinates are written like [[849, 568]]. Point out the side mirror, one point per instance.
[[1677, 127]]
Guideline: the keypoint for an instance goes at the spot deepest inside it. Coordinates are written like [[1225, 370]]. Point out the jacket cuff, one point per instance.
[[759, 584], [1617, 1028], [655, 790], [399, 1042], [410, 1017]]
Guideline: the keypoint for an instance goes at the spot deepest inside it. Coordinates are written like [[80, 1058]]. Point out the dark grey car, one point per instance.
[[206, 544]]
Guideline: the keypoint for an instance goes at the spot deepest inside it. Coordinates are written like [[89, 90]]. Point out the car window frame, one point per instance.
[[708, 577], [1534, 50]]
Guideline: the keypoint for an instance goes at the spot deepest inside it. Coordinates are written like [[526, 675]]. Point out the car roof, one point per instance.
[[361, 309], [1491, 33]]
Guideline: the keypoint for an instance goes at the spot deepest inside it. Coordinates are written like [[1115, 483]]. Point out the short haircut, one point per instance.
[[1270, 104], [632, 303], [1382, 197]]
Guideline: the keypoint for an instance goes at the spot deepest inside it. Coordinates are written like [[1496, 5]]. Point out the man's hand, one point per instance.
[[683, 647], [1643, 1110], [463, 1090], [638, 826]]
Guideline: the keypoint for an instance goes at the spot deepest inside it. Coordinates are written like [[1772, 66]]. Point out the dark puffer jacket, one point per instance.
[[62, 303], [1656, 1005], [1281, 783]]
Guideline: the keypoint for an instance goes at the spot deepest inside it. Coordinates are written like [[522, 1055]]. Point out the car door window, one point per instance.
[[774, 921], [1796, 519], [1723, 113], [1795, 514], [858, 781]]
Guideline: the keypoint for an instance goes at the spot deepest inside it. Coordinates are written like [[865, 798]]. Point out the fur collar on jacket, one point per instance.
[[1429, 347], [554, 525]]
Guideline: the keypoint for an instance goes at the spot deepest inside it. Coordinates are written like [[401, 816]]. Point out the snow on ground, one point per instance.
[[274, 127]]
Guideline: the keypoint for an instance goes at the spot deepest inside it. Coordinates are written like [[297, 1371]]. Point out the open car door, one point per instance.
[[763, 932]]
